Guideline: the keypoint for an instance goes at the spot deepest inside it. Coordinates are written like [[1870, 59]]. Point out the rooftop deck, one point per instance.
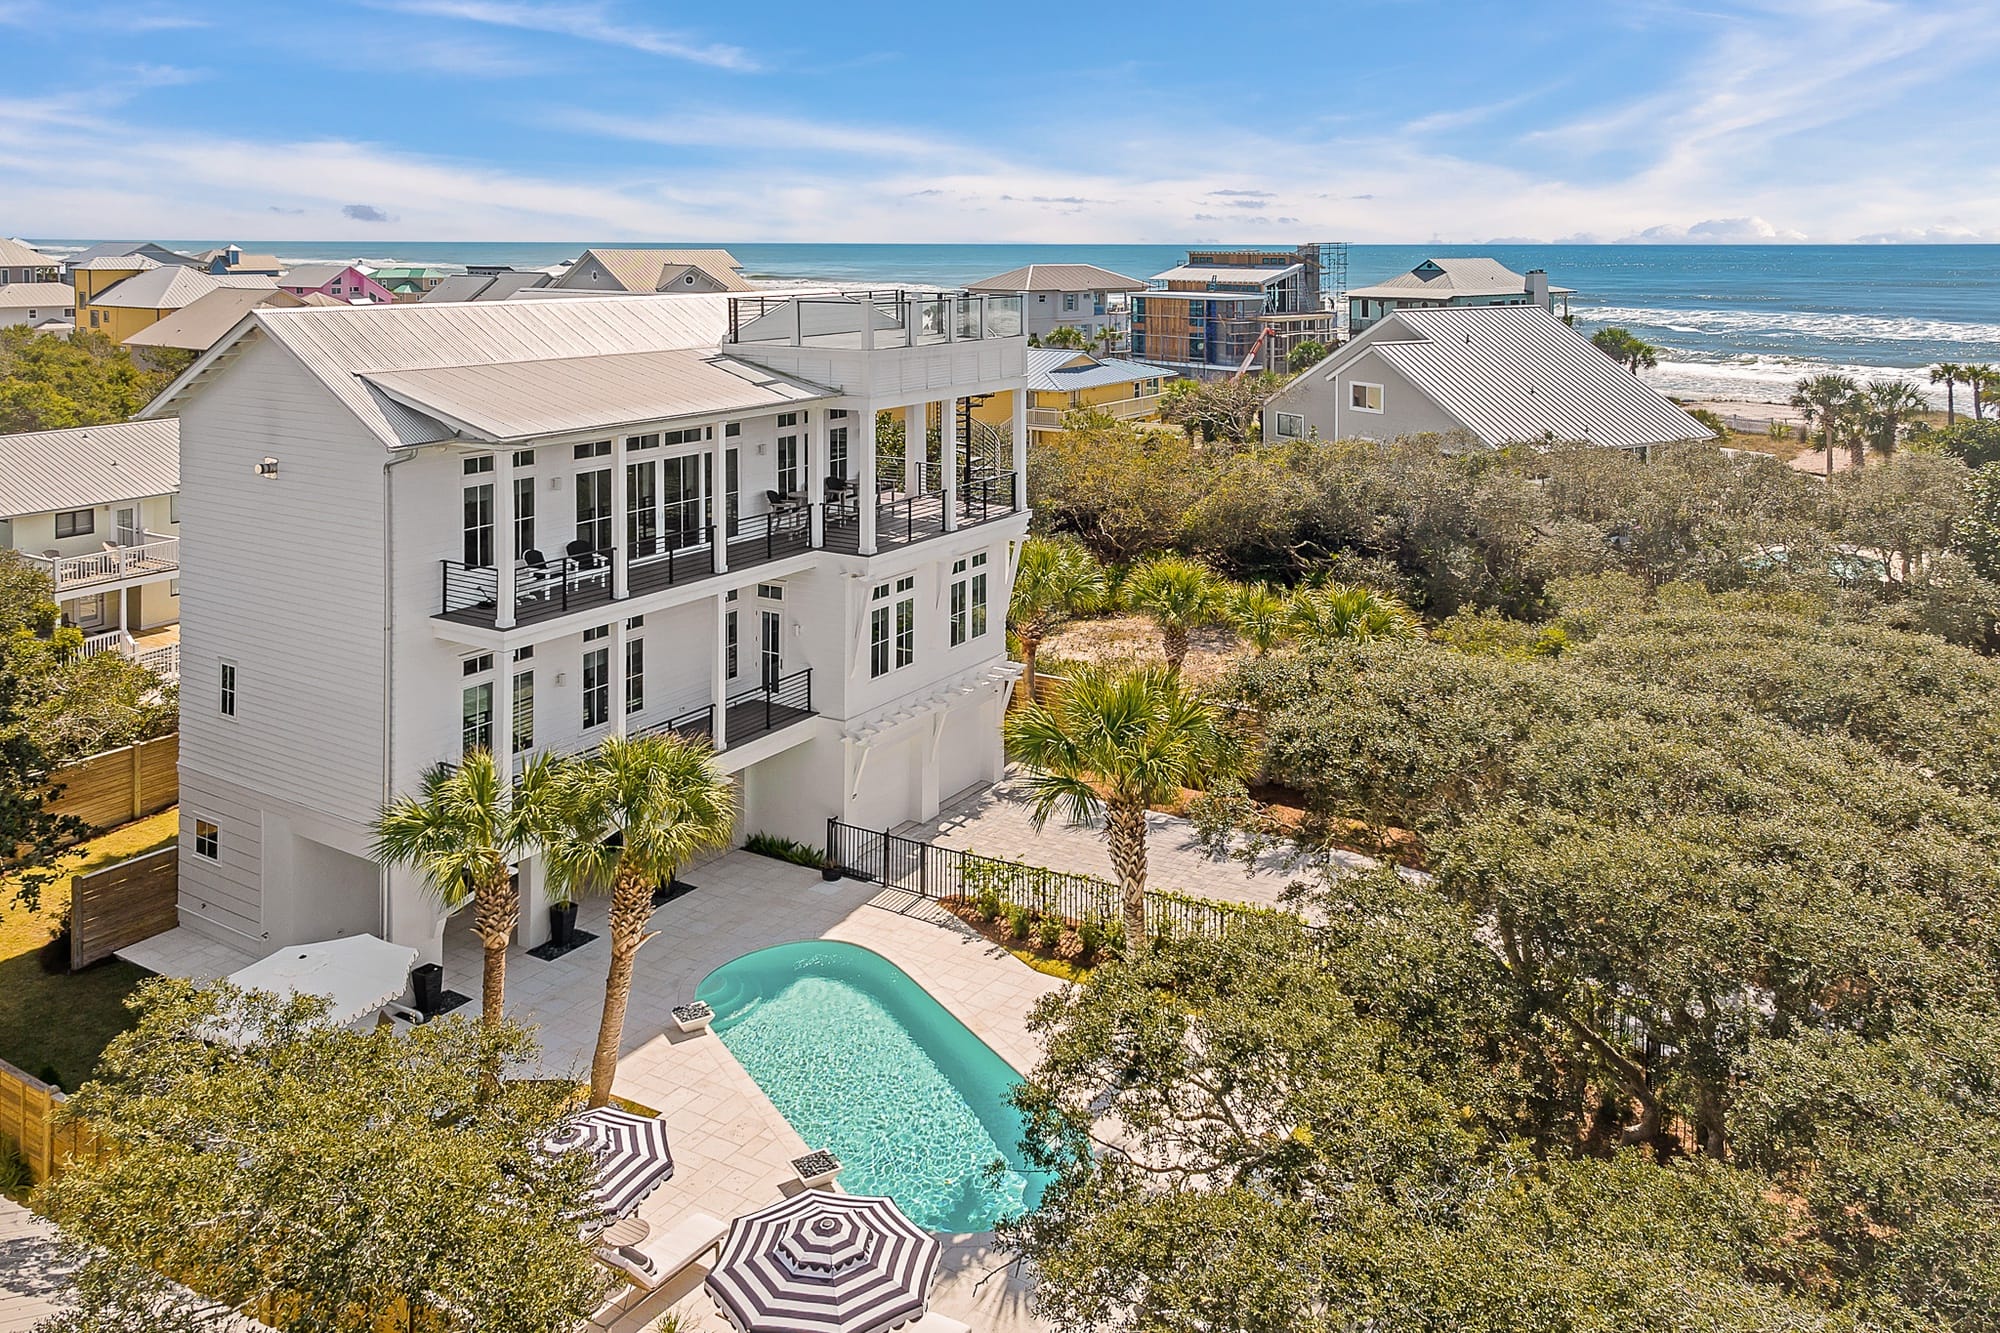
[[873, 320]]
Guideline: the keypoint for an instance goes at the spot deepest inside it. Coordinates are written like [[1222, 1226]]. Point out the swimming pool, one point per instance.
[[860, 1059]]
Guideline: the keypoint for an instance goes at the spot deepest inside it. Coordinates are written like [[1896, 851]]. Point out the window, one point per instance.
[[836, 452], [596, 687], [732, 429], [524, 711], [642, 508], [732, 487], [525, 653], [524, 458], [1290, 425], [475, 467], [475, 725], [968, 599], [593, 508], [476, 666], [207, 839], [691, 435], [635, 675], [789, 476], [479, 526], [729, 645], [229, 689], [771, 592], [906, 621], [524, 516], [596, 633], [1069, 301], [637, 442], [76, 523], [878, 632], [1364, 397], [596, 449]]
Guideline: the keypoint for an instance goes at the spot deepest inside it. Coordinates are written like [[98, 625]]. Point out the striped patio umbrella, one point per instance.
[[825, 1263], [631, 1150]]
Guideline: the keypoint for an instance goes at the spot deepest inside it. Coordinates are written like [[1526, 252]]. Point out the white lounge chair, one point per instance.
[[666, 1253], [936, 1323]]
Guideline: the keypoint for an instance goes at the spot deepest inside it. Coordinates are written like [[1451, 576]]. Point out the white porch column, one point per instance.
[[817, 462], [865, 481], [718, 687], [503, 716], [619, 635], [948, 462], [916, 446], [620, 522], [1020, 442], [532, 884], [504, 558]]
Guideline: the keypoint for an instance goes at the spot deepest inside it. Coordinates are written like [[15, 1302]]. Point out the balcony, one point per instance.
[[156, 557], [1123, 409], [582, 579], [872, 320], [750, 714]]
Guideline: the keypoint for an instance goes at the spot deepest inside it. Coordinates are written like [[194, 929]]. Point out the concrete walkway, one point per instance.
[[996, 821], [31, 1280]]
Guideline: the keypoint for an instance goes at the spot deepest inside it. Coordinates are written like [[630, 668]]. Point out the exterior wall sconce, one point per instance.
[[268, 468]]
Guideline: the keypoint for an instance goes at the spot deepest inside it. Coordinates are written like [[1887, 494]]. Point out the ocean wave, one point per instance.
[[1791, 324], [1771, 379]]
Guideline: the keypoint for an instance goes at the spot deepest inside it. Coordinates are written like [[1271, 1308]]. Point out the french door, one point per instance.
[[769, 650]]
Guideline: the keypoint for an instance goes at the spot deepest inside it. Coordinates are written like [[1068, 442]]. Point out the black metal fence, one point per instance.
[[934, 872]]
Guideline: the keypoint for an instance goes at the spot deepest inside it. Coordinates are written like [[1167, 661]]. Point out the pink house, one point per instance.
[[343, 282]]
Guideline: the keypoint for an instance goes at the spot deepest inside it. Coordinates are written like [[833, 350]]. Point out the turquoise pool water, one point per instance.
[[860, 1059]]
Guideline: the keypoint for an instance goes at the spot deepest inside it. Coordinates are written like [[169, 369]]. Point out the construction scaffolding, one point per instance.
[[1227, 310]]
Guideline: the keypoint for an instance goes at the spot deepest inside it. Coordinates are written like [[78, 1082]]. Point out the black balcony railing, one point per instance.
[[751, 713]]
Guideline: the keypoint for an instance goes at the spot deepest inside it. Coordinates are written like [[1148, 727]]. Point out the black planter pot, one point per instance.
[[829, 873], [427, 986], [562, 924]]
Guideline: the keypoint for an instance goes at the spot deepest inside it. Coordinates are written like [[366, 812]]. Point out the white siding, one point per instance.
[[222, 898]]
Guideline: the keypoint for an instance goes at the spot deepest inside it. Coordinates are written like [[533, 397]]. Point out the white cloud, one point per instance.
[[586, 22], [756, 133], [1714, 231]]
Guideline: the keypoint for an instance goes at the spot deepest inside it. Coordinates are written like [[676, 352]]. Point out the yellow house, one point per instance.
[[1061, 379], [120, 295]]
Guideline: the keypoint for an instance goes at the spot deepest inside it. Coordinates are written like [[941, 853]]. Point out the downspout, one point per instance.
[[389, 653]]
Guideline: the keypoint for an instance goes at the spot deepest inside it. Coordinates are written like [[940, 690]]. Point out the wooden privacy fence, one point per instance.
[[120, 785], [27, 1114], [122, 904]]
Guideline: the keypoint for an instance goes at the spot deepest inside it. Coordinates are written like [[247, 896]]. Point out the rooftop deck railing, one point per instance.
[[873, 320], [156, 555]]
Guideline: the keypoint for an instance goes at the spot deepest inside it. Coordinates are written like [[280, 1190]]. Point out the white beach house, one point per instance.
[[420, 528], [95, 508], [1493, 374], [1077, 296]]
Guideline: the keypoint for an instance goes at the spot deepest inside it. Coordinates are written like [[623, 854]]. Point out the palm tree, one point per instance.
[[1058, 579], [1106, 339], [1181, 596], [1348, 613], [1626, 349], [628, 817], [1886, 405], [1984, 380], [460, 831], [1065, 335], [1258, 611], [1949, 375], [1113, 745], [1830, 401]]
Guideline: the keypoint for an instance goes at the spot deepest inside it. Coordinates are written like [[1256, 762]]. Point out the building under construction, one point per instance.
[[1226, 311]]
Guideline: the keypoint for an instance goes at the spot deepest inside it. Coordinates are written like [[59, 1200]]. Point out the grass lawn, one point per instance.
[[52, 1021]]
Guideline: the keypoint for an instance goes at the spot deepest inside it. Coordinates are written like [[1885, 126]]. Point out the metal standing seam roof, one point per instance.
[[313, 275], [171, 286], [516, 400], [1256, 277], [1517, 374], [640, 270], [26, 295], [199, 324], [340, 345], [1049, 370], [1058, 278], [134, 263], [16, 254], [485, 286], [49, 471], [1458, 277]]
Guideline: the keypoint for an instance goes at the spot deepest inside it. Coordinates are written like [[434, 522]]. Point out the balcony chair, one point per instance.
[[787, 511], [587, 560], [542, 578]]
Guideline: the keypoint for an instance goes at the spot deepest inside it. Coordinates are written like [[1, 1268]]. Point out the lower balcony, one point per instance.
[[749, 714]]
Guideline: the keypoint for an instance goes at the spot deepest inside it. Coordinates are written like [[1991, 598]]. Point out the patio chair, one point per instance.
[[651, 1265], [587, 560], [542, 577]]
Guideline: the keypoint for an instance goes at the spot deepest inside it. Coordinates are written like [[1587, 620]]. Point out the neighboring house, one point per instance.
[[1225, 310], [21, 262], [1077, 296], [231, 259], [95, 508], [409, 282], [199, 325], [121, 308], [489, 286], [156, 254], [343, 282], [529, 525], [1060, 380], [650, 270], [37, 303], [1499, 374], [1438, 283]]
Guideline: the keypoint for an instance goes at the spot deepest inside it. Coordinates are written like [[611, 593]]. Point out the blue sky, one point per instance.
[[1368, 120]]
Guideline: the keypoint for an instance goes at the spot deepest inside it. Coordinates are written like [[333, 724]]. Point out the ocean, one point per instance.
[[1732, 321]]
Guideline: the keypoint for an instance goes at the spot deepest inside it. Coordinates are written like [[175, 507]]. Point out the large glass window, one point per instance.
[[524, 515], [593, 508], [683, 500], [596, 687], [635, 675], [790, 478], [475, 725], [879, 631], [906, 621], [642, 512], [732, 481], [968, 599], [479, 526], [524, 711]]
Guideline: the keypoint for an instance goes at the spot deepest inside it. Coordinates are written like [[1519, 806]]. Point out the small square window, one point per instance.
[[76, 523], [635, 622], [1290, 425], [524, 458], [207, 839], [524, 653], [474, 666], [596, 632], [475, 466], [1364, 397], [596, 449], [771, 592]]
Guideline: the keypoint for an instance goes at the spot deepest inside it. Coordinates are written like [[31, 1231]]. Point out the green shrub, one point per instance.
[[1090, 937], [1017, 921], [1048, 931], [13, 1171], [785, 849]]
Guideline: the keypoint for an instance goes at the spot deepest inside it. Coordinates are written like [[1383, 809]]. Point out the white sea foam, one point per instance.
[[1818, 326], [1770, 379]]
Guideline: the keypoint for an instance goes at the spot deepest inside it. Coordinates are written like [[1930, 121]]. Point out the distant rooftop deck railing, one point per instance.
[[872, 320]]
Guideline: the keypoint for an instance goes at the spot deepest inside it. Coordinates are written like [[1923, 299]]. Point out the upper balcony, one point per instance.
[[154, 557], [584, 577], [872, 320]]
